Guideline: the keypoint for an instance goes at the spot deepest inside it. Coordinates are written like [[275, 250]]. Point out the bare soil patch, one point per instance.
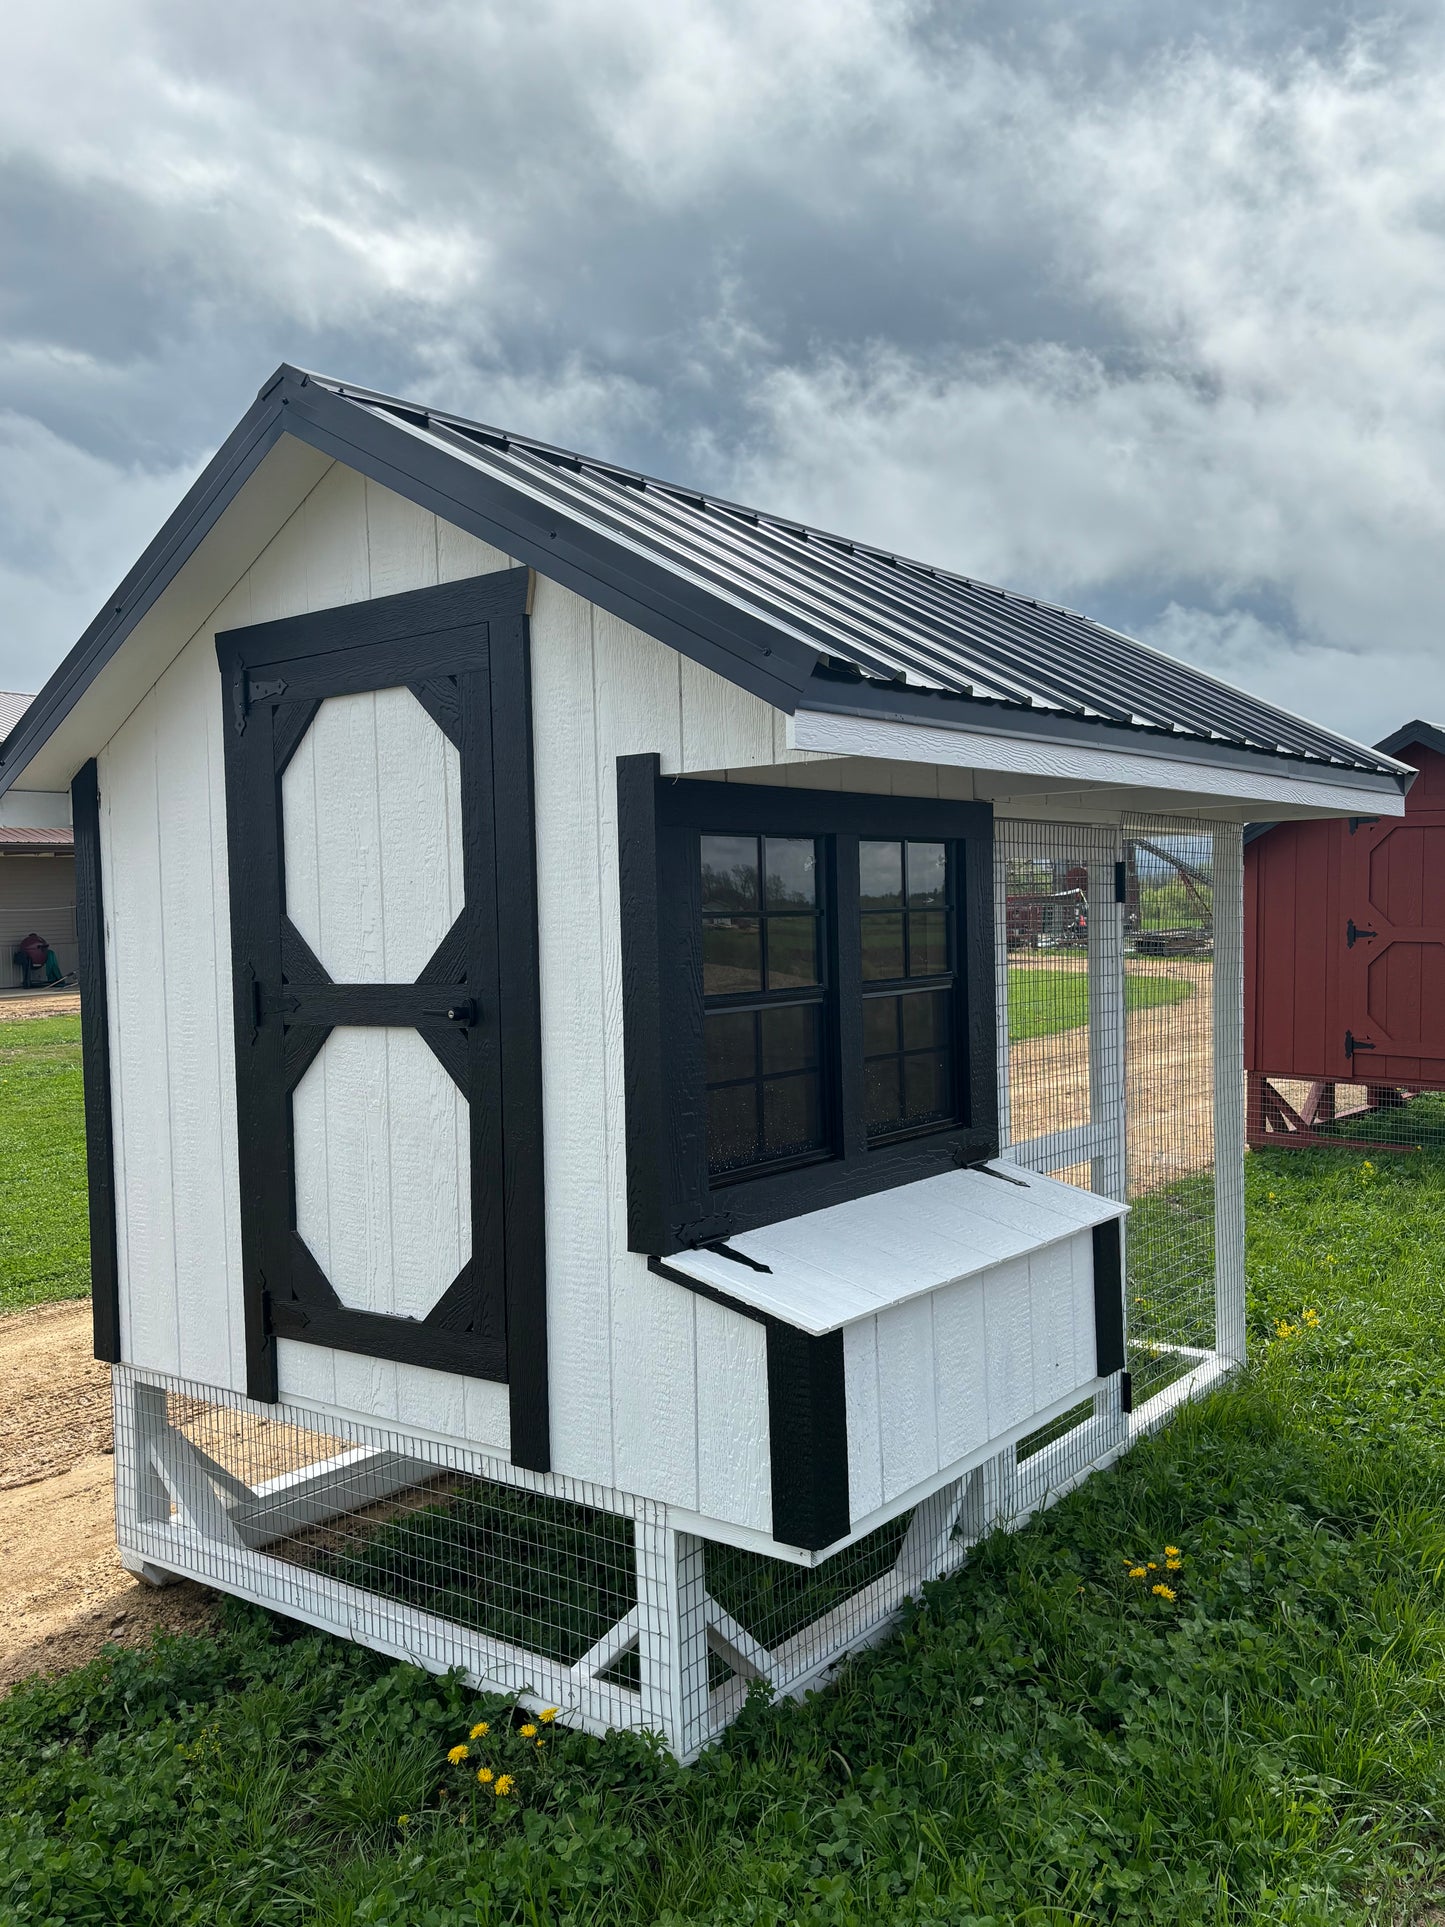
[[63, 1591], [15, 1005]]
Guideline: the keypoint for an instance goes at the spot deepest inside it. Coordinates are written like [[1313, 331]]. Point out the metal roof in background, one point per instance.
[[875, 618], [19, 841], [12, 708]]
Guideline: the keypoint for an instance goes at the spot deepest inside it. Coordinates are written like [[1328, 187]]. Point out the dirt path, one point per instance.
[[15, 1005], [63, 1593]]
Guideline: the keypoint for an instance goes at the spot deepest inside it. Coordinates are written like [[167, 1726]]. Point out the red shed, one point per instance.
[[1344, 934]]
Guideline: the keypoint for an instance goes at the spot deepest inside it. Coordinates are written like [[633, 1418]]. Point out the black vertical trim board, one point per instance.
[[95, 1064], [520, 1027], [1108, 1298], [645, 1105], [807, 1436]]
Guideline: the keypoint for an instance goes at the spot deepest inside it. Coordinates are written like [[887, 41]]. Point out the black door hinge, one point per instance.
[[725, 1250], [1353, 1043], [246, 691], [1353, 933], [1126, 1392], [1121, 885], [1356, 821]]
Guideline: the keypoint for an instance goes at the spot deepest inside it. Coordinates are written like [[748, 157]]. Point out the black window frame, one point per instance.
[[673, 1204]]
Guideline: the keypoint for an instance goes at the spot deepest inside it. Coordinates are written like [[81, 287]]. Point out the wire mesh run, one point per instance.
[[1113, 959]]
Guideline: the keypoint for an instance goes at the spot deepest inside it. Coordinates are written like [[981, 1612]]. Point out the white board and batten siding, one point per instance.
[[654, 1390]]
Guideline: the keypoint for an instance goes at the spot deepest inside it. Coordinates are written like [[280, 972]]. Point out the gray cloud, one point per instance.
[[1133, 306]]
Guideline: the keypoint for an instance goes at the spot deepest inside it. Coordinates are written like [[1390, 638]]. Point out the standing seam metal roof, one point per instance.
[[871, 615]]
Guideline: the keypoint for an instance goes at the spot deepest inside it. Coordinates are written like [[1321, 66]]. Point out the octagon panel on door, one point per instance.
[[1392, 977], [388, 1072]]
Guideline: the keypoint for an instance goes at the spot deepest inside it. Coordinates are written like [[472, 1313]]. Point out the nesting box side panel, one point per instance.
[[1291, 949]]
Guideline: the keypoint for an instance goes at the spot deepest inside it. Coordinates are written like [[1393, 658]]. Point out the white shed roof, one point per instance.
[[830, 1268]]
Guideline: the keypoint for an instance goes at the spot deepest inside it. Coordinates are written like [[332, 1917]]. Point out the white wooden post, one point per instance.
[[141, 1420], [1229, 1092], [672, 1631]]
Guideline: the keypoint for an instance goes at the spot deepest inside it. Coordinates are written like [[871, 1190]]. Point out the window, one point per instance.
[[808, 999], [763, 999]]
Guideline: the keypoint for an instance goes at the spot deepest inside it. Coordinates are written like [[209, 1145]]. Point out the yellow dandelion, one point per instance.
[[1284, 1329], [478, 1730], [1173, 1565], [458, 1753], [1272, 1197], [1153, 1565], [485, 1775], [547, 1715], [403, 1819], [504, 1784], [528, 1732], [543, 1742], [1136, 1572], [1164, 1592], [1367, 1165], [1171, 1552]]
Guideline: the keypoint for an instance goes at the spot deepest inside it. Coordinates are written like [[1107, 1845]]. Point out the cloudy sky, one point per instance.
[[1138, 305]]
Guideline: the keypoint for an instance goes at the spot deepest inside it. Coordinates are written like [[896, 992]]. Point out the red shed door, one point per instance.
[[1392, 978]]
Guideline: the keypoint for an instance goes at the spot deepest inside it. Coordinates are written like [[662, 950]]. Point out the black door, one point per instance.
[[386, 1009]]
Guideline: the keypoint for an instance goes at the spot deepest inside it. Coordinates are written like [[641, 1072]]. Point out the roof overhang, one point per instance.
[[298, 425], [1048, 761]]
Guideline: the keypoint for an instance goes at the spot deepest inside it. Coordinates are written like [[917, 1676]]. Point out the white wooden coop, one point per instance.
[[555, 1178]]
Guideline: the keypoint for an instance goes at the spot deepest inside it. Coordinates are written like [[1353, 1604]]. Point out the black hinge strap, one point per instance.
[[1353, 933], [738, 1257], [1353, 1043], [246, 692]]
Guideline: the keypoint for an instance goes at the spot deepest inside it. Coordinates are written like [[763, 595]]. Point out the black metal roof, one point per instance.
[[803, 618]]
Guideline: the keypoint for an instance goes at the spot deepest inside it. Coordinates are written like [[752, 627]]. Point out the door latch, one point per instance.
[[1353, 933], [464, 1011]]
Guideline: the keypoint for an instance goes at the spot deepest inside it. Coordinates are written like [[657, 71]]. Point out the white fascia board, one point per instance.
[[1250, 792]]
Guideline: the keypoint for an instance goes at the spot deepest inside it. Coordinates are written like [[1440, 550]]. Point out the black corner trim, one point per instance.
[[1108, 1298], [645, 1101], [807, 1422], [95, 1064], [807, 1436]]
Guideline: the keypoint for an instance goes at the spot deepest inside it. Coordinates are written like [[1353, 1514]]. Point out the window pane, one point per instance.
[[732, 1126], [792, 952], [926, 1093], [732, 956], [882, 946], [729, 873], [880, 875], [791, 872], [927, 943], [792, 1116], [790, 1037], [880, 1025], [927, 876], [731, 1045], [925, 1020], [880, 1095]]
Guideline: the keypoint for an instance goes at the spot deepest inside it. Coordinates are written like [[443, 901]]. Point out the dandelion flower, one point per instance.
[[478, 1730], [1164, 1592], [458, 1753], [403, 1819], [485, 1775], [1136, 1572], [547, 1715], [503, 1784], [1272, 1197], [528, 1732], [1153, 1565], [1173, 1565], [543, 1742], [1171, 1552]]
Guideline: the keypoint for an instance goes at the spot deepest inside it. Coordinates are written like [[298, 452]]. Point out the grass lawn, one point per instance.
[[44, 1236], [1044, 1742], [1042, 1001]]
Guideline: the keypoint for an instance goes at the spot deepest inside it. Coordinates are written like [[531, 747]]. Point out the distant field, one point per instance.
[[44, 1236], [1042, 1001]]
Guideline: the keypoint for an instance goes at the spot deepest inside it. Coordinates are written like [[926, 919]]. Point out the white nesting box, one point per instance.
[[540, 969]]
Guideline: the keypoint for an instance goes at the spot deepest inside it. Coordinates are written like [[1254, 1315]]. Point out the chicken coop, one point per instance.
[[1345, 966], [594, 1179]]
